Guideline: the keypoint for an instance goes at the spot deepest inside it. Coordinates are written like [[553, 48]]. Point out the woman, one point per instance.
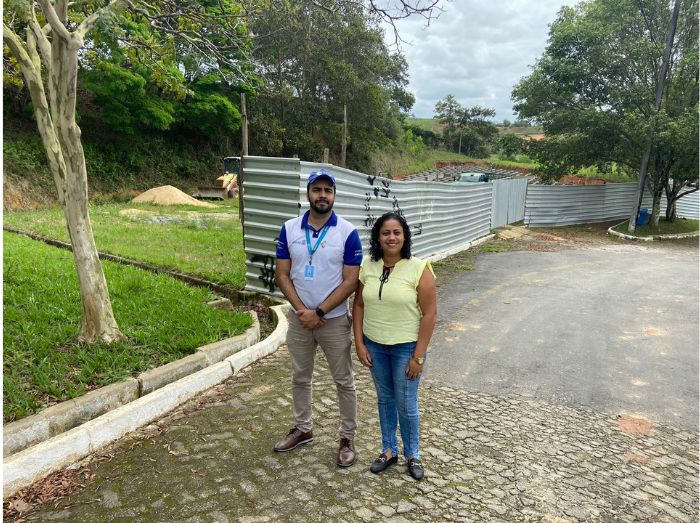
[[393, 320]]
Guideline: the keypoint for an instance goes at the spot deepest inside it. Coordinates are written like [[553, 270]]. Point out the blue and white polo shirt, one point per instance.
[[340, 246]]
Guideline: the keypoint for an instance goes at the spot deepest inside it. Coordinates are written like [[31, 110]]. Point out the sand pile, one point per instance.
[[169, 195]]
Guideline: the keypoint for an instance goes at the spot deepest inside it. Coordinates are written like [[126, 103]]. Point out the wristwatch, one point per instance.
[[419, 359], [319, 312]]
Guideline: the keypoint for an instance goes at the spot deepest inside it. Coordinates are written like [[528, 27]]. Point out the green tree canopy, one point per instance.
[[468, 129], [314, 61], [593, 91]]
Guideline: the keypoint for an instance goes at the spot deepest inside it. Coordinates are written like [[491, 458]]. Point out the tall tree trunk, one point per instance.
[[671, 211], [98, 322], [60, 134], [656, 209]]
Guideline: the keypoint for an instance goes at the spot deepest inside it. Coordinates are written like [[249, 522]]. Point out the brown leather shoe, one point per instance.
[[346, 453], [293, 440]]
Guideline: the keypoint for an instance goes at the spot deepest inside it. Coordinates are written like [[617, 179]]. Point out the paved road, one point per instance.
[[613, 328], [495, 458]]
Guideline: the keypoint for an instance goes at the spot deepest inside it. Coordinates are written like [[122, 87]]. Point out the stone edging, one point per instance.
[[652, 237], [33, 463], [54, 420]]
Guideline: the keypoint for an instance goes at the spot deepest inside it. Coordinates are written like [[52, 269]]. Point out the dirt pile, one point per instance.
[[169, 195]]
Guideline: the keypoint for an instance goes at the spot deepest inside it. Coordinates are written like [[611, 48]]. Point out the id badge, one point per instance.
[[309, 271]]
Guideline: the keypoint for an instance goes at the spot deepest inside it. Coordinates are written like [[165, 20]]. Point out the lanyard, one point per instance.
[[313, 250]]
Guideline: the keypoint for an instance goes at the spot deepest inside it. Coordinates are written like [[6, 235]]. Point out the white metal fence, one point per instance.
[[443, 217], [559, 205], [508, 202]]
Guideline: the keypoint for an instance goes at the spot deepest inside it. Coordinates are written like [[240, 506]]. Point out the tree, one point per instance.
[[593, 92], [468, 130], [48, 57], [510, 144], [316, 60], [449, 112]]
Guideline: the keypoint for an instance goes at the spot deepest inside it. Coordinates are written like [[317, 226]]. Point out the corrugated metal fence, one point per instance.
[[271, 197], [443, 217], [508, 201], [559, 205]]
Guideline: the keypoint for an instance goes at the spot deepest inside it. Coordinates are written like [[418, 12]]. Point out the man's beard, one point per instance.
[[318, 210]]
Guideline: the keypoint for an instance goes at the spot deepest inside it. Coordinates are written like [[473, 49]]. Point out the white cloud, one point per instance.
[[477, 50]]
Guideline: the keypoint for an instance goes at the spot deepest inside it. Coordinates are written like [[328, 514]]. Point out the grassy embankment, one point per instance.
[[163, 318], [118, 167]]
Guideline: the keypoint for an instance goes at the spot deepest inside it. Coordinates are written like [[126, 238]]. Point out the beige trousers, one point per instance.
[[334, 340]]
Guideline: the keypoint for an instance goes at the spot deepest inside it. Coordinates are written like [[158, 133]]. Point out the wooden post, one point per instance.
[[344, 139], [244, 116], [244, 153], [325, 154]]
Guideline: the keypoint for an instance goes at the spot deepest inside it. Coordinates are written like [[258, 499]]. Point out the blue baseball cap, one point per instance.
[[321, 174]]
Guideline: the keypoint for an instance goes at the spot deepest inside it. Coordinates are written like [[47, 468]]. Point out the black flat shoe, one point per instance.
[[382, 463], [415, 469]]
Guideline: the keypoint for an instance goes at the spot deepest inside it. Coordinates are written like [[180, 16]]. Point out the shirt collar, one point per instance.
[[332, 221]]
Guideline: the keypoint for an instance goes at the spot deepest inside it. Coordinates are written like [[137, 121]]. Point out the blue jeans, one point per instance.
[[397, 395]]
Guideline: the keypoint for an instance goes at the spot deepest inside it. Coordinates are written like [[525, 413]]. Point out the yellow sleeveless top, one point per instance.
[[395, 317]]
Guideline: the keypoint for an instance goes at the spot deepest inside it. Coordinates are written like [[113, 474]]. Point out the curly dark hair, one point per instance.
[[375, 249]]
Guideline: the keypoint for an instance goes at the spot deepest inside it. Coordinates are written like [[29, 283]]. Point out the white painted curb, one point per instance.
[[654, 236], [26, 467]]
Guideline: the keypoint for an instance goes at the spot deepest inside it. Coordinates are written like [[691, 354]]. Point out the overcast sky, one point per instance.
[[477, 51]]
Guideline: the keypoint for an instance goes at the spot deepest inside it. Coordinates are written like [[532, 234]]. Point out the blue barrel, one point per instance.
[[642, 217]]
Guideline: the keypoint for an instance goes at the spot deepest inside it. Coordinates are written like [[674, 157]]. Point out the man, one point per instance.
[[318, 262]]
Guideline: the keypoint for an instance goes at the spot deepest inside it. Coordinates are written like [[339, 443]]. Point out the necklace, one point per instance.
[[384, 278]]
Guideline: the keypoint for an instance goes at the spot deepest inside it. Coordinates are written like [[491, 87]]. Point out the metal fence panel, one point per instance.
[[560, 205], [270, 197], [518, 192], [441, 216], [508, 204]]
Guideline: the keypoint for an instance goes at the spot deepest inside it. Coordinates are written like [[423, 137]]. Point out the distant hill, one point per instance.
[[432, 124]]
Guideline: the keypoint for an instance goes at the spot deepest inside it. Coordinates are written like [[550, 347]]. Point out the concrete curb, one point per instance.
[[31, 464], [652, 237], [68, 414]]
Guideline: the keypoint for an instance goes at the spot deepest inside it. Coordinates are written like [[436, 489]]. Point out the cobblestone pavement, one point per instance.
[[488, 458]]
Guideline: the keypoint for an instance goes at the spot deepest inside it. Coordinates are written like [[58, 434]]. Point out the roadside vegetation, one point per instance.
[[679, 226], [162, 318], [194, 240]]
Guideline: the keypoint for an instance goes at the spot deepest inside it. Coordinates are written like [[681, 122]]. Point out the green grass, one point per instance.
[[184, 238], [162, 318], [615, 176], [680, 226], [493, 247], [426, 124], [520, 160]]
